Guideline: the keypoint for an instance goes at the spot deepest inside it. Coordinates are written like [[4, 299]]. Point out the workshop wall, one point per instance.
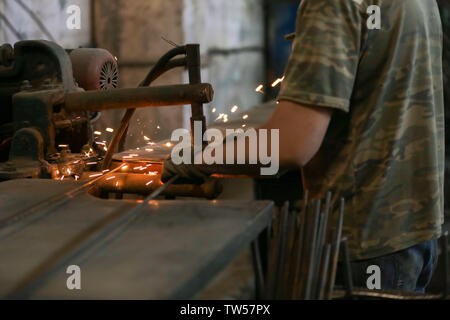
[[133, 31], [231, 37], [43, 19]]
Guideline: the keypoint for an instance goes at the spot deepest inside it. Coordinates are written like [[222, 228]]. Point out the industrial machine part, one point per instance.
[[45, 130], [94, 69]]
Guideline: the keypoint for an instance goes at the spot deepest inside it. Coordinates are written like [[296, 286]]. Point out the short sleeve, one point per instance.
[[324, 61]]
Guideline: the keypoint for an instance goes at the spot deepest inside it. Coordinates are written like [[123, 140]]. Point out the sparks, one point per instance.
[[259, 88], [154, 173], [117, 184], [104, 171], [149, 150], [105, 148], [243, 126], [148, 183], [168, 144], [62, 178], [95, 175], [76, 177], [245, 117], [97, 133], [277, 82], [91, 163], [124, 167], [110, 178], [146, 138], [234, 109], [158, 127], [213, 110], [110, 129], [63, 145]]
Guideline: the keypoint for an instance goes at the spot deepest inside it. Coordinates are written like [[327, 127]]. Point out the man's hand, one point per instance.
[[188, 173]]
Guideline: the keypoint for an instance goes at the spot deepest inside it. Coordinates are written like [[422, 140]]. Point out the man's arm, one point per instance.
[[302, 130]]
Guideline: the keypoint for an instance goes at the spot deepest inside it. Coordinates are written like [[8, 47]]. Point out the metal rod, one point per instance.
[[131, 98], [347, 269], [336, 248], [300, 249], [194, 71], [324, 272], [133, 183], [282, 250], [257, 267], [321, 238]]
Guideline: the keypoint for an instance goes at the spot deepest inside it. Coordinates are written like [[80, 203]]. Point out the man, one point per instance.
[[361, 111]]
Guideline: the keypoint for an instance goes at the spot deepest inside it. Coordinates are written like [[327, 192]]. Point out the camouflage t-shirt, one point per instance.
[[384, 149]]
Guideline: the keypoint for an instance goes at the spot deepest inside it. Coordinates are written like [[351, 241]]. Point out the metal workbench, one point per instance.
[[165, 249]]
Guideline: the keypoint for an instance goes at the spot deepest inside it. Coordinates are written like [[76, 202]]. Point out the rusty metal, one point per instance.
[[194, 71], [131, 98], [142, 184]]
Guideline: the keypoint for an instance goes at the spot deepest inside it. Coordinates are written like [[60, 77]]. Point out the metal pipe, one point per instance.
[[131, 98], [145, 184]]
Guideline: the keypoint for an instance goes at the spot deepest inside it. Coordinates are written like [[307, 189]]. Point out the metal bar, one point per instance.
[[347, 269], [324, 272], [282, 250], [133, 183], [300, 242], [321, 238], [131, 98], [290, 244], [336, 247], [312, 263], [194, 71], [273, 255], [257, 267]]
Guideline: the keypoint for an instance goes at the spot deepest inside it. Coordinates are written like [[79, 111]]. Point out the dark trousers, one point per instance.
[[409, 270]]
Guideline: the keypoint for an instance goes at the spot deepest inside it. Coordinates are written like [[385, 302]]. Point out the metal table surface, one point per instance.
[[170, 250]]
